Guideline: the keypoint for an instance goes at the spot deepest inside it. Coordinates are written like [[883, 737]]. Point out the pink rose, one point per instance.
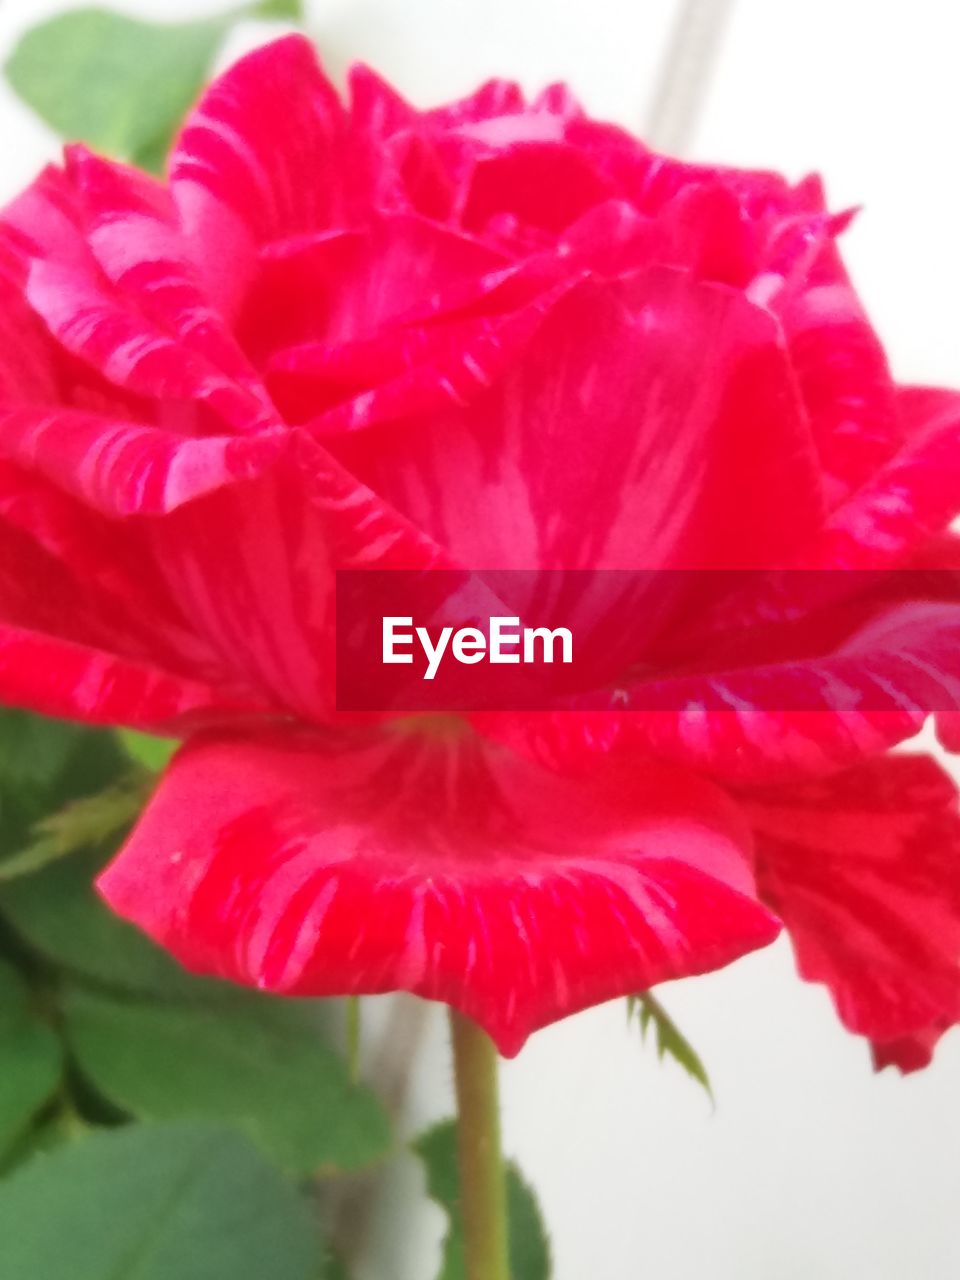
[[496, 335]]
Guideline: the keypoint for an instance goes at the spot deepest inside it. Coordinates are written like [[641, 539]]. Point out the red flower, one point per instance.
[[494, 335]]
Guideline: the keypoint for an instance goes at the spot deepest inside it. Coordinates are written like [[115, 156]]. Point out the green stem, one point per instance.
[[353, 1038], [483, 1195]]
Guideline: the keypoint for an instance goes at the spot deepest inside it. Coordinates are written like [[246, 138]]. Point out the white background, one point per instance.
[[810, 1168]]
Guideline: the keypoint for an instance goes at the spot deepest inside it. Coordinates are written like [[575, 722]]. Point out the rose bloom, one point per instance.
[[496, 335]]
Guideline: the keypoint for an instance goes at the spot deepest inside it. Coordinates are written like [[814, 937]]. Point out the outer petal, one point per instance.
[[845, 381], [768, 703], [101, 322], [26, 366], [746, 747], [864, 869], [909, 1053], [908, 501], [261, 157], [130, 225], [58, 677], [460, 874], [123, 468], [254, 568], [77, 644]]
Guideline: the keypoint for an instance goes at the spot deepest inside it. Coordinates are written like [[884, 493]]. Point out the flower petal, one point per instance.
[[254, 568], [758, 705], [909, 1053], [123, 468], [260, 158], [59, 677], [908, 501], [75, 641], [745, 747], [317, 294], [138, 350], [864, 869], [605, 416], [304, 866], [130, 225]]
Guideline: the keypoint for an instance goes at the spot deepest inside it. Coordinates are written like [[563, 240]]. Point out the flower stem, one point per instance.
[[353, 1038], [483, 1195]]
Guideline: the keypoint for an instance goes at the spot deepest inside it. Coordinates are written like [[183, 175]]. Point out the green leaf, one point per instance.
[[671, 1042], [33, 750], [30, 1060], [334, 1269], [153, 753], [281, 10], [529, 1248], [58, 914], [81, 825], [177, 1202], [117, 83], [46, 764], [253, 1061], [121, 84]]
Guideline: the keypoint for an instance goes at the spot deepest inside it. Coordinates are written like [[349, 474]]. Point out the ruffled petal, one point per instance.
[[122, 468], [845, 382], [745, 747], [316, 295], [130, 226], [79, 638], [771, 700], [304, 866], [254, 568], [104, 324], [909, 1053], [494, 98], [26, 360], [606, 416], [261, 157], [910, 500], [58, 677], [864, 870]]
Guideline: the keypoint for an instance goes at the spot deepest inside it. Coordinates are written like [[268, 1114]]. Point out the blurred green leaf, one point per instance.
[[334, 1269], [173, 1202], [282, 10], [115, 82], [671, 1042], [30, 1059], [153, 753], [33, 749], [45, 765], [254, 1061], [59, 915], [529, 1247], [83, 824]]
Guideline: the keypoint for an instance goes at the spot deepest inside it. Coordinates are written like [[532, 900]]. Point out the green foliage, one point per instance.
[[258, 1063], [173, 1202], [283, 10], [30, 1059], [115, 82], [146, 750], [82, 824], [671, 1042], [529, 1248], [161, 1044], [99, 1027], [46, 765], [59, 917], [120, 84]]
